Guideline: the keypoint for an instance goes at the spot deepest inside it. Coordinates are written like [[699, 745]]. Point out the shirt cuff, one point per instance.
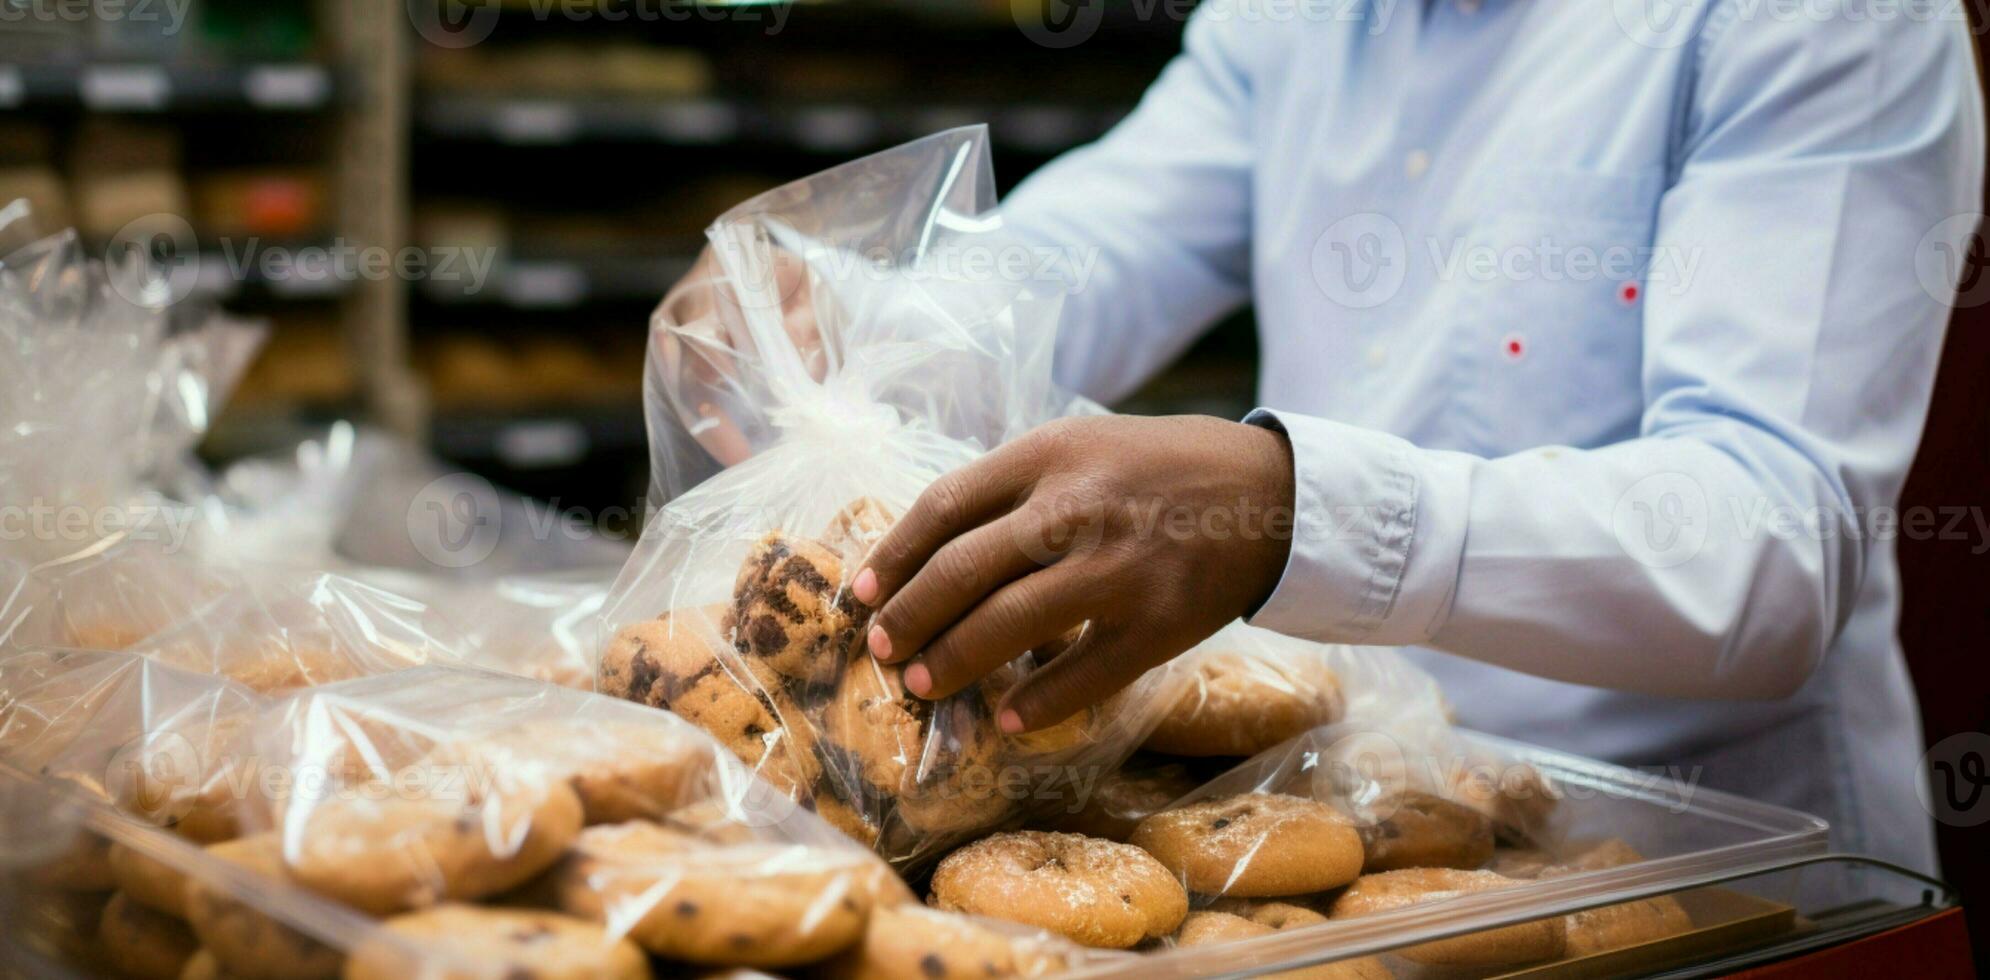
[[1377, 538]]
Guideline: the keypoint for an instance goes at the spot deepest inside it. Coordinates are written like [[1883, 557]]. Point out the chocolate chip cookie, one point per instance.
[[791, 610]]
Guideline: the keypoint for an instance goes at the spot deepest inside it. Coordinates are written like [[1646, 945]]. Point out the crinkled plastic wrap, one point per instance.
[[735, 611], [271, 628], [381, 511], [104, 386], [162, 744], [1393, 796], [1248, 689], [540, 626]]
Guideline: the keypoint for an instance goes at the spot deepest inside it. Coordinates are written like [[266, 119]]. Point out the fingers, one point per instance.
[[1111, 659], [954, 504], [1023, 615], [957, 578]]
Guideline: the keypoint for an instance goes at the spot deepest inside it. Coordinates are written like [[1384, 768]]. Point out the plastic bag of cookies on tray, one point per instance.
[[782, 454], [1353, 851], [457, 823]]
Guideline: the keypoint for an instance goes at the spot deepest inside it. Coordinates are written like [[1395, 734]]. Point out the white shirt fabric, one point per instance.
[[1603, 343]]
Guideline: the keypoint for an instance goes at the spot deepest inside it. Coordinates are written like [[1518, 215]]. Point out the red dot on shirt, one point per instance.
[[1515, 347], [1628, 292]]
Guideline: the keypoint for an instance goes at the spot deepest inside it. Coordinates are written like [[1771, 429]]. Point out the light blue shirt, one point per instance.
[[1603, 335]]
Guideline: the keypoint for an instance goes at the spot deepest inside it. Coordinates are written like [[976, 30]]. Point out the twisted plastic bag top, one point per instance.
[[863, 299]]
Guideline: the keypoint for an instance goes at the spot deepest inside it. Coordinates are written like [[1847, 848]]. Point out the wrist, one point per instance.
[[1268, 547]]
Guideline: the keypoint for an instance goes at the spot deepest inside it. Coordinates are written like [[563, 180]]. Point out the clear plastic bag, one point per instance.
[[105, 386], [358, 502], [1249, 689], [277, 630], [1367, 815], [1389, 796], [487, 822], [165, 745], [864, 299], [440, 785], [271, 628], [540, 626], [899, 366]]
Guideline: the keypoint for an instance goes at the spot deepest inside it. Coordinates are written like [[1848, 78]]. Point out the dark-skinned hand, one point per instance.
[[1154, 532]]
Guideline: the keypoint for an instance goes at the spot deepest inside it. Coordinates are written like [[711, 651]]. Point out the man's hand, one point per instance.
[[1155, 531]]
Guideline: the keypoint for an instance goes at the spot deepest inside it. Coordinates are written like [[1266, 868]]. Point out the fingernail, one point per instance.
[[879, 643], [918, 679], [1012, 723], [866, 586]]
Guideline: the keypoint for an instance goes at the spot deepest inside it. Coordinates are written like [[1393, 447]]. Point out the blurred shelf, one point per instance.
[[157, 87], [300, 276], [268, 269], [565, 282], [539, 437], [830, 127]]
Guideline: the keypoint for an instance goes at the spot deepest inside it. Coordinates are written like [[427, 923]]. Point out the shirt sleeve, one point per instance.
[[1825, 170], [1149, 228]]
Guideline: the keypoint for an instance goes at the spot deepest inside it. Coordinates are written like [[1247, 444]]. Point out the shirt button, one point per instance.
[[1377, 354], [1468, 6], [1416, 163]]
